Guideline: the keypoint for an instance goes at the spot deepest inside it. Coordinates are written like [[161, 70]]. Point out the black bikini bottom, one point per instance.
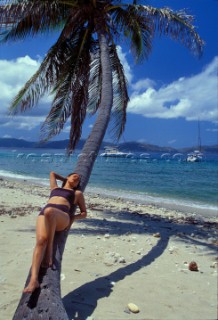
[[57, 206]]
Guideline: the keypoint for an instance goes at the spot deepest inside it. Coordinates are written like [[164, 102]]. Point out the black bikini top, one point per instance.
[[67, 194]]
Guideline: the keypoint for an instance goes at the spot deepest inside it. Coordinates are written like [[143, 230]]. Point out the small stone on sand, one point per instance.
[[133, 307]]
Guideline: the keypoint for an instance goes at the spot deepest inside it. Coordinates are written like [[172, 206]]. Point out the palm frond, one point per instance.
[[71, 90], [48, 74], [118, 115], [95, 83], [59, 113], [78, 115], [42, 81], [178, 25], [136, 28], [28, 18]]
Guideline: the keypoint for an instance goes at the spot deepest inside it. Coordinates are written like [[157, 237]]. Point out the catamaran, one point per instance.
[[115, 153]]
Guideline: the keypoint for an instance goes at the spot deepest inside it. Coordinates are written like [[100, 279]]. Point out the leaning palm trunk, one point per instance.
[[91, 148], [45, 302]]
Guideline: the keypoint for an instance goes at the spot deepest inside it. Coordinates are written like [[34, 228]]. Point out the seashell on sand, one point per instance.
[[133, 307], [214, 264], [62, 276], [193, 266], [156, 235]]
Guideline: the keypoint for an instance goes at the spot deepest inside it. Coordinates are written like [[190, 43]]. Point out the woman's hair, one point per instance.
[[70, 174]]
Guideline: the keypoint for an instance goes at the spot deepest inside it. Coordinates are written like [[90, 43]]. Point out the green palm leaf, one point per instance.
[[118, 115]]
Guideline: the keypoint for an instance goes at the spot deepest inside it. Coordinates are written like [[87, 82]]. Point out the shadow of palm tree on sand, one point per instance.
[[81, 302]]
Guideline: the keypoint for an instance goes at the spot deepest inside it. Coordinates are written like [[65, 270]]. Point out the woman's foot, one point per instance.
[[33, 285]]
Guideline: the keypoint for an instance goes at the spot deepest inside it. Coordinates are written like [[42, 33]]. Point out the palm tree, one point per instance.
[[82, 68], [83, 71]]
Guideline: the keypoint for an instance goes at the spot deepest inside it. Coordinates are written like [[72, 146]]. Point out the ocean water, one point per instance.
[[160, 179]]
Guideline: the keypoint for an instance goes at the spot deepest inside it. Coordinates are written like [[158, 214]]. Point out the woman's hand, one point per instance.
[[53, 179], [80, 201]]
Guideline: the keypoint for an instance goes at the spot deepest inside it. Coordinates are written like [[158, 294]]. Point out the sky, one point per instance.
[[170, 92]]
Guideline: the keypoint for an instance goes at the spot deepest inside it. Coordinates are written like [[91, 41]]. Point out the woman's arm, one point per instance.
[[80, 201], [53, 179]]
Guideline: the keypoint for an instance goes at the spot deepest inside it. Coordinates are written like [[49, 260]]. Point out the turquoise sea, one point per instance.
[[160, 179]]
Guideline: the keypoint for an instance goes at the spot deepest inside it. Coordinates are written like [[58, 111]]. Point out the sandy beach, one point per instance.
[[122, 253]]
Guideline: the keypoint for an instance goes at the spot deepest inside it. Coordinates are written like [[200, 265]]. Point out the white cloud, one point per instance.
[[7, 136], [191, 98], [142, 85], [126, 67], [66, 128], [13, 75], [142, 141], [173, 141], [21, 122]]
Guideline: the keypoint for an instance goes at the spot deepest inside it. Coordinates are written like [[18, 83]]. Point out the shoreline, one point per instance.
[[102, 201], [182, 206], [159, 202], [121, 246]]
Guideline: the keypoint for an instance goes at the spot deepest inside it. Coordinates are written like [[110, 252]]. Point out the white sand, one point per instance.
[[122, 253]]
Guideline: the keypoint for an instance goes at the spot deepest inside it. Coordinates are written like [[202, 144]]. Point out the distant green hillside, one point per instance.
[[127, 146], [143, 147]]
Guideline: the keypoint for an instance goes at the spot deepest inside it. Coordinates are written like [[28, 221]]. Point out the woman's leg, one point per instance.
[[52, 220], [56, 220], [39, 251]]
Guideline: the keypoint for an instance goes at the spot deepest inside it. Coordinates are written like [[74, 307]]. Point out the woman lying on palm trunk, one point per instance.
[[57, 215]]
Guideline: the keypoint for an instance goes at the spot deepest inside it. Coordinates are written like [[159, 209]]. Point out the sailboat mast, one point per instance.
[[199, 136]]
